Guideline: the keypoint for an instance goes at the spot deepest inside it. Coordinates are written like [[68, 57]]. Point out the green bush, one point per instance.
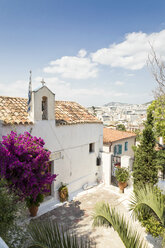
[[10, 212], [8, 209], [122, 175], [30, 201], [150, 222], [63, 192]]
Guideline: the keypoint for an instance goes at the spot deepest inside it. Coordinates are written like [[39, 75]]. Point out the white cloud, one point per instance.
[[119, 83], [16, 89], [65, 91], [132, 53], [130, 74], [82, 53], [73, 67]]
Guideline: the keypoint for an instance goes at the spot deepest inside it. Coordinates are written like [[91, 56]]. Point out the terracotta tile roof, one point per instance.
[[111, 135], [13, 110]]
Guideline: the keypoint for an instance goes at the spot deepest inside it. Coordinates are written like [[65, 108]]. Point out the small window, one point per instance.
[[117, 149], [91, 147], [126, 146], [44, 108]]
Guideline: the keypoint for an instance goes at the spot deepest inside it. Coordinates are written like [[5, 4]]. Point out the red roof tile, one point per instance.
[[13, 110], [111, 135]]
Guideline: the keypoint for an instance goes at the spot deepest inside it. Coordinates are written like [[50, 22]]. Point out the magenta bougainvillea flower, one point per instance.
[[24, 164]]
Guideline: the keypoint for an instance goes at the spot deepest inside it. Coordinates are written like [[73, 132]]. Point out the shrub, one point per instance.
[[24, 165], [10, 212], [122, 175], [151, 223], [63, 192], [30, 201], [8, 209], [148, 217]]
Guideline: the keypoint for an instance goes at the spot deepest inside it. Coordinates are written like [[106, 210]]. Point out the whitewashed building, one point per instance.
[[117, 151], [70, 132]]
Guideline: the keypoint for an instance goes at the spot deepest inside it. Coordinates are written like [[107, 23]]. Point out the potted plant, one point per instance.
[[63, 192], [122, 176], [34, 204]]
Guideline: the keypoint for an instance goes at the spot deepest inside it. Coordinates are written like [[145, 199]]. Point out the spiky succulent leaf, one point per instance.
[[49, 235], [104, 215]]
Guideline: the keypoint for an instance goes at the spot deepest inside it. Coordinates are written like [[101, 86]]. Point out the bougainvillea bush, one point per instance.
[[24, 165]]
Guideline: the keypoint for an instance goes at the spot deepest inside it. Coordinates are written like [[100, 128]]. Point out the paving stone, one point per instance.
[[77, 215], [71, 217], [63, 212], [53, 217]]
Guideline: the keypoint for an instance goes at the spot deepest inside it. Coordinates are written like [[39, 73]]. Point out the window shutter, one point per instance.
[[126, 146], [120, 149], [115, 150]]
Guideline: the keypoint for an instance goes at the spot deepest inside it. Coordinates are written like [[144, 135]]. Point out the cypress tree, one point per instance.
[[145, 167]]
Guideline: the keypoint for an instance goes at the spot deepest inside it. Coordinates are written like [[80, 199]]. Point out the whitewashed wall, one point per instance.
[[3, 244], [126, 162], [107, 161], [74, 165]]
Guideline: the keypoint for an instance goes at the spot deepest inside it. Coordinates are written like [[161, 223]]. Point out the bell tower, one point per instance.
[[42, 104]]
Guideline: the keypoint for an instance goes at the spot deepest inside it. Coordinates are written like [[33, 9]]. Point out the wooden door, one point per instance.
[[48, 186]]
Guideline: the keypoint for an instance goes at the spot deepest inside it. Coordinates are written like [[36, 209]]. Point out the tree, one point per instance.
[[157, 66], [161, 161], [104, 215], [138, 134], [145, 167], [24, 165], [121, 127], [158, 109]]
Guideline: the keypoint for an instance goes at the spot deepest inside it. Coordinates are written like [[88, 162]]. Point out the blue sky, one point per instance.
[[88, 51]]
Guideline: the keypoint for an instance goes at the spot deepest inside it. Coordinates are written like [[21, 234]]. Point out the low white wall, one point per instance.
[[107, 160], [126, 162], [3, 244]]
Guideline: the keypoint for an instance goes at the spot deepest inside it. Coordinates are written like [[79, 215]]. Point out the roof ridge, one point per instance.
[[13, 97], [27, 99]]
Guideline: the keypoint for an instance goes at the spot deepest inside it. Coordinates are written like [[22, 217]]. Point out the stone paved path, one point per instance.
[[77, 216]]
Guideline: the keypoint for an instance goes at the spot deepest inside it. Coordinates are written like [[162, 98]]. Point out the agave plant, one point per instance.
[[104, 215], [49, 235], [148, 197]]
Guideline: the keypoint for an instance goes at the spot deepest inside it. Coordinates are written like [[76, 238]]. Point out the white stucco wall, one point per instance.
[[3, 244], [107, 164], [73, 162], [126, 162]]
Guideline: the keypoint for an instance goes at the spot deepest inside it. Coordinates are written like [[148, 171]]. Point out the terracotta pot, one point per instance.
[[33, 210], [122, 186], [63, 194]]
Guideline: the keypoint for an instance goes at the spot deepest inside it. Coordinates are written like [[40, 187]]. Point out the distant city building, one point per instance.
[[132, 116]]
